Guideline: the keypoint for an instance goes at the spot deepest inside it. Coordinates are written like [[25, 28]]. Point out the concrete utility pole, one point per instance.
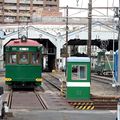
[[89, 28], [67, 30], [119, 45], [66, 36]]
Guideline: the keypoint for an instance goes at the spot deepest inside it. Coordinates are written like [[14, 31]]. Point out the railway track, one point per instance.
[[41, 100], [105, 103], [105, 80], [53, 81], [53, 100], [96, 103], [26, 100], [101, 79]]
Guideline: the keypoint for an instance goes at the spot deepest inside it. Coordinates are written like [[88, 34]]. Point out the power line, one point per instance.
[[94, 1], [100, 12]]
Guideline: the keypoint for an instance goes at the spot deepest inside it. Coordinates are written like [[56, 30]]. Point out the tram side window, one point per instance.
[[12, 59], [79, 72], [23, 59], [35, 58]]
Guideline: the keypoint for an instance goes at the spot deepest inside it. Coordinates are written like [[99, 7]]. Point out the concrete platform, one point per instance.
[[63, 115]]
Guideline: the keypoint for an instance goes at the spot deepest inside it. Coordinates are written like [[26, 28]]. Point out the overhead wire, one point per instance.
[[94, 1], [100, 12], [80, 9]]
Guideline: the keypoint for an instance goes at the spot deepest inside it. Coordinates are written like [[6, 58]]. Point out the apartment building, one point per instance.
[[24, 10]]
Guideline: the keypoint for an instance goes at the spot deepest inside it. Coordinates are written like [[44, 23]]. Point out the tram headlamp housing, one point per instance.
[[39, 79], [8, 79]]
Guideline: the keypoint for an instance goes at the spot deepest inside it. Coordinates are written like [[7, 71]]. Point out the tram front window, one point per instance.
[[35, 58], [23, 59], [12, 58]]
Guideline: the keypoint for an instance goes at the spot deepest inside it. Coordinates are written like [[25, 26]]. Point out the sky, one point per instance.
[[84, 4]]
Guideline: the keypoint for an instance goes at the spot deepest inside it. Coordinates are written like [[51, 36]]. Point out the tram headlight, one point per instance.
[[8, 79], [39, 79]]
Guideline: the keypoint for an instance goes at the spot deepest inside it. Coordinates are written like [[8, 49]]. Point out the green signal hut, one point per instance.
[[78, 78]]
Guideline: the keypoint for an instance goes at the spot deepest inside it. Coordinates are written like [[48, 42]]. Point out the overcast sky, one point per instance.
[[84, 3], [95, 3]]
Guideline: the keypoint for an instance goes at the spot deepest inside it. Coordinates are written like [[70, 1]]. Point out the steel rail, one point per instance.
[[9, 102], [42, 102], [53, 84], [101, 79]]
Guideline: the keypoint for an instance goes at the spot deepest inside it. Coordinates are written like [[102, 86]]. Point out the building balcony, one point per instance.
[[1, 14], [1, 0], [24, 8], [24, 14], [10, 14], [25, 1], [9, 20], [10, 1], [10, 7], [51, 3], [37, 2]]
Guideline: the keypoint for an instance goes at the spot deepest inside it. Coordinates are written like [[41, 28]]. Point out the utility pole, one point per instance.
[[117, 14], [66, 38], [89, 28], [67, 30], [119, 45]]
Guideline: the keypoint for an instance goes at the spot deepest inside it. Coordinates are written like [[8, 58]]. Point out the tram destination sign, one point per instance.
[[21, 49], [24, 49]]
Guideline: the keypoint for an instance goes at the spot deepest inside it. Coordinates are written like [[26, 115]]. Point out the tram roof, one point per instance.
[[18, 42], [78, 59]]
